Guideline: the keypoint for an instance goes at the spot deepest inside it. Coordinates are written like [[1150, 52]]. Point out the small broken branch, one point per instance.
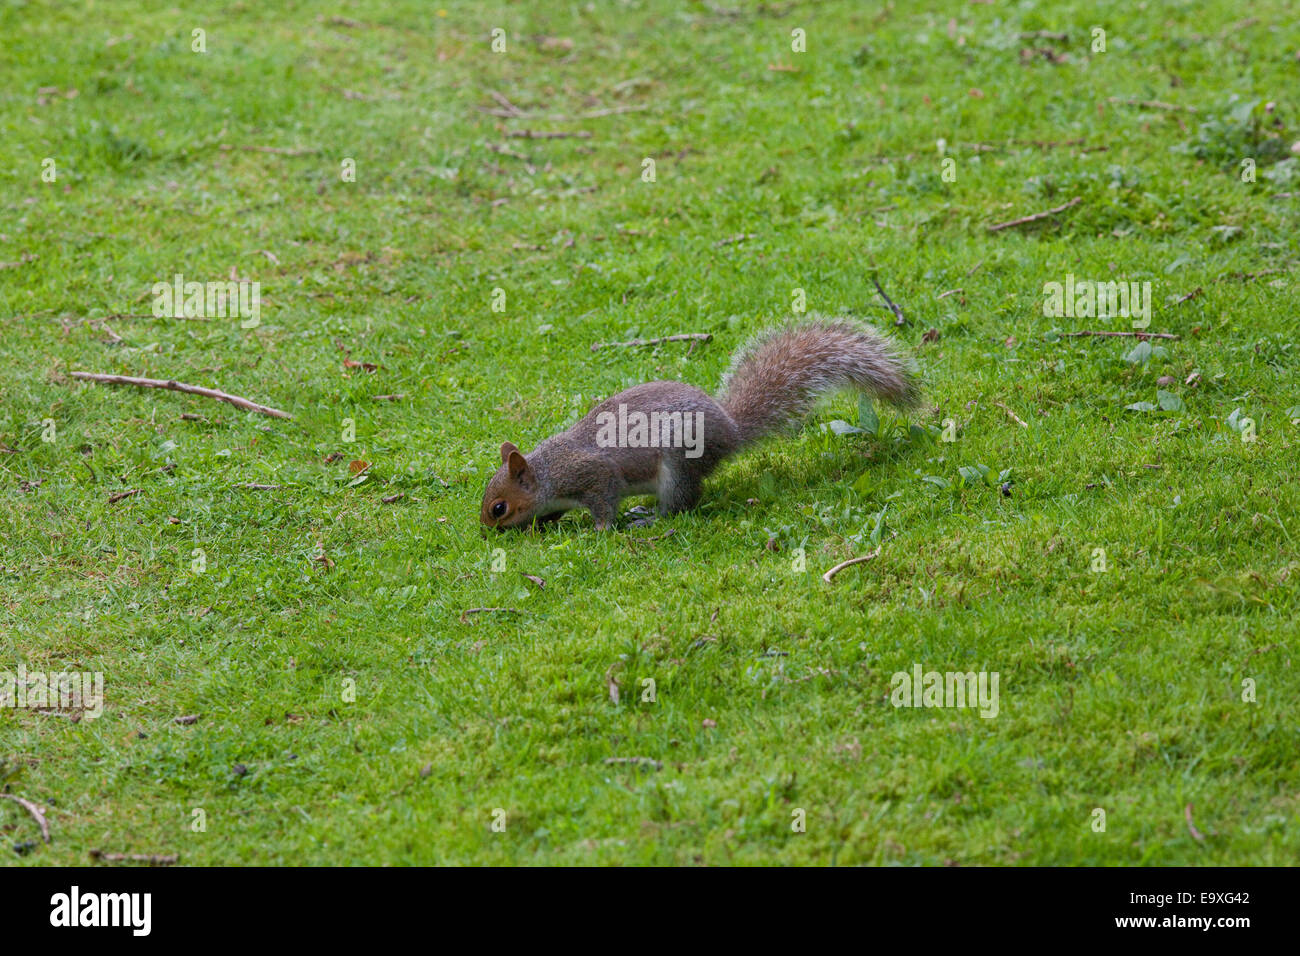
[[1023, 220], [1247, 276], [515, 113], [181, 387], [505, 103], [1153, 104], [851, 561], [464, 619], [684, 337], [1127, 335], [548, 134], [34, 810], [153, 859], [894, 307], [1014, 417], [278, 150]]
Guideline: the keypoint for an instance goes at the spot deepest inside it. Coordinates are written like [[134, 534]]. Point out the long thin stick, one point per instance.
[[277, 150], [34, 810], [1153, 104], [464, 619], [593, 114], [153, 859], [1127, 335], [181, 387], [894, 307], [505, 103], [548, 134], [1014, 417], [844, 564], [1036, 216], [684, 337]]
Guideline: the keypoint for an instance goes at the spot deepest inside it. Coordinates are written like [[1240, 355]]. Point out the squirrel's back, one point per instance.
[[776, 380]]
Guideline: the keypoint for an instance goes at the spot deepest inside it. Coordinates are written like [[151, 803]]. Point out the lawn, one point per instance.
[[1107, 523]]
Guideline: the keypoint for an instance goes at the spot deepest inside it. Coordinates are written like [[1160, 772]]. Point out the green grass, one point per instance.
[[1120, 690]]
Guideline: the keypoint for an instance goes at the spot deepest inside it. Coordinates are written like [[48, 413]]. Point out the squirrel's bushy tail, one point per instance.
[[777, 379]]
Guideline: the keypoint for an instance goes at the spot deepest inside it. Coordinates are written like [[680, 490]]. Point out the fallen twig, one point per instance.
[[388, 398], [505, 103], [1036, 216], [944, 295], [181, 387], [1247, 276], [548, 134], [684, 337], [553, 118], [114, 499], [1197, 835], [484, 610], [34, 810], [1037, 143], [153, 859], [844, 564], [1127, 335], [392, 498], [1016, 418], [1191, 295], [1153, 104], [252, 486], [894, 307], [278, 150], [741, 237]]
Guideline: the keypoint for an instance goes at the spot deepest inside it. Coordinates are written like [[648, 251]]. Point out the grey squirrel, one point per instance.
[[664, 438]]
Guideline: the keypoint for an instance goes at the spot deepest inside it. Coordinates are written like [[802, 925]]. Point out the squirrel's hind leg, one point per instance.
[[680, 486]]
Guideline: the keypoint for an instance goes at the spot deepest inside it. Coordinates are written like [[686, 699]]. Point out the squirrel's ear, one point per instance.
[[507, 449], [516, 465]]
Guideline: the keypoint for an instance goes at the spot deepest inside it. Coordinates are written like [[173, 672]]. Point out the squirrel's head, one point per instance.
[[510, 500]]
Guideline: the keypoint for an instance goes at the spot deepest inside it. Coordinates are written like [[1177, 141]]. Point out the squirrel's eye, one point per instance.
[[499, 509]]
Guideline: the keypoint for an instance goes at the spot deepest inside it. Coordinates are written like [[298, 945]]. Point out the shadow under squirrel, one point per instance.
[[664, 438]]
